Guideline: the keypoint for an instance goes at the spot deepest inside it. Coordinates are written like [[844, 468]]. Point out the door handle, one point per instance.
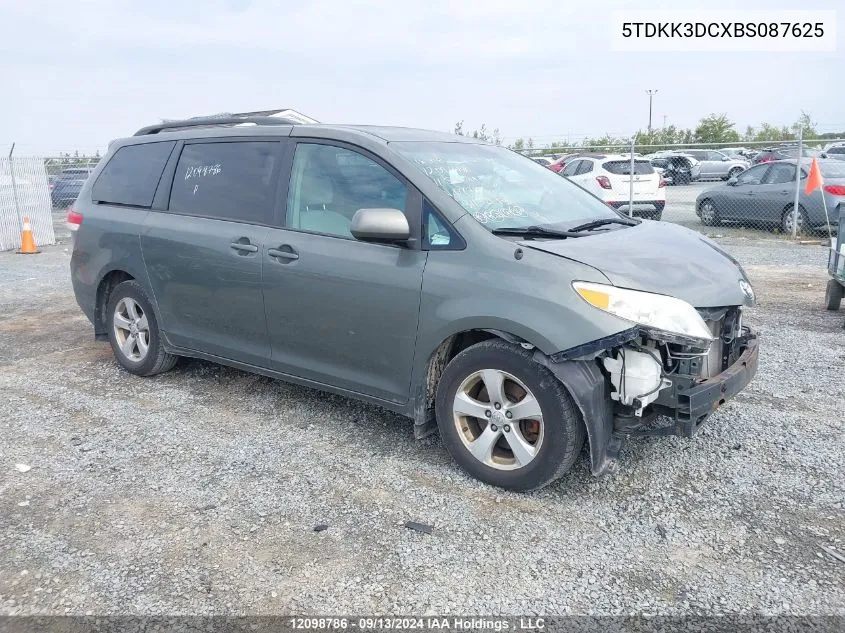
[[284, 252], [244, 247]]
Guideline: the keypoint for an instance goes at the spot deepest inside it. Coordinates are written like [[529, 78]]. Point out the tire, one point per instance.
[[549, 443], [786, 220], [708, 213], [130, 312], [833, 295], [734, 172]]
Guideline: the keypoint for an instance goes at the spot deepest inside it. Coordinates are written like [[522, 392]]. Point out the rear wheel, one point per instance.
[[788, 219], [133, 331], [709, 214], [506, 419], [833, 295]]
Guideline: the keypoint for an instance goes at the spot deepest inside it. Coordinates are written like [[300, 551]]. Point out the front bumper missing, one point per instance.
[[688, 402]]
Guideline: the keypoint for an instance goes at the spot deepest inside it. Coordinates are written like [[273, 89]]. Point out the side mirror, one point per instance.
[[732, 181], [823, 155], [380, 225]]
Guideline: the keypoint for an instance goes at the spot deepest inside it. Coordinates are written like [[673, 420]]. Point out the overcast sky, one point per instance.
[[75, 74]]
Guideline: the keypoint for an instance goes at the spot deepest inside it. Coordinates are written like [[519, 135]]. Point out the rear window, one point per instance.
[[836, 150], [623, 167], [229, 181], [132, 174]]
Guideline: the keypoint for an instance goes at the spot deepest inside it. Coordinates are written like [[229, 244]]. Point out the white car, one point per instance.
[[608, 176]]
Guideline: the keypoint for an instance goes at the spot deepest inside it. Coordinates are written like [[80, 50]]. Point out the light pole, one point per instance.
[[651, 94]]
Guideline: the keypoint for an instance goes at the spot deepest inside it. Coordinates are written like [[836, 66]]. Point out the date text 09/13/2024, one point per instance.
[[428, 623]]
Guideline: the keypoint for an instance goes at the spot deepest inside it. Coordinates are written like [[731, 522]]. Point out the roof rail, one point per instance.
[[213, 122]]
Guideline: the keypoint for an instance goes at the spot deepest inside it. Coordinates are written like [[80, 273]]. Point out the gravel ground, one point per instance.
[[197, 491]]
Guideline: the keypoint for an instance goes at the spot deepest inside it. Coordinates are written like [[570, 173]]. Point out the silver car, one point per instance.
[[764, 195], [716, 165]]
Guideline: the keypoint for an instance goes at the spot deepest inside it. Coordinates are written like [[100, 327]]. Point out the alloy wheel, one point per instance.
[[498, 419], [131, 330]]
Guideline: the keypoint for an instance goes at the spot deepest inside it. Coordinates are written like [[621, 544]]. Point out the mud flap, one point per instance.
[[590, 390]]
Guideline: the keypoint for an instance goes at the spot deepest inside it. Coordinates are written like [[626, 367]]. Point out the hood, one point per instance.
[[658, 257]]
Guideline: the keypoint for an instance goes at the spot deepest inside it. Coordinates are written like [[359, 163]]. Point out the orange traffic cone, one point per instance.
[[28, 246]]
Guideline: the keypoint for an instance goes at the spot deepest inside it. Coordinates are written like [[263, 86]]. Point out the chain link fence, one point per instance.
[[41, 189], [24, 192], [713, 188]]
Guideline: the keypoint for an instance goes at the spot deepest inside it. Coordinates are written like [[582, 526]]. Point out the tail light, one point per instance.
[[662, 183], [74, 219], [835, 190], [604, 182]]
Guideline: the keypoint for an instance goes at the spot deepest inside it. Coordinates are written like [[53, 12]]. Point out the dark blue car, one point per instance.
[[67, 185]]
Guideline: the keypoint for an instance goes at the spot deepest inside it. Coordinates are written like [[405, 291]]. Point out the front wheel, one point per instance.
[[833, 295], [133, 331], [506, 419], [733, 173]]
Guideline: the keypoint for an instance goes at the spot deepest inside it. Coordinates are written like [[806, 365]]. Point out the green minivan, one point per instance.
[[453, 281]]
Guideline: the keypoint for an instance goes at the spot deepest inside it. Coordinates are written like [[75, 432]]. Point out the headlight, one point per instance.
[[659, 312]]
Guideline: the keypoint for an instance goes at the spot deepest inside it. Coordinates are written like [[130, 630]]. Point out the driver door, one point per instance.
[[740, 197], [342, 312]]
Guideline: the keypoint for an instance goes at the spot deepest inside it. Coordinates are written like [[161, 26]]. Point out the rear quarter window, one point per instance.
[[132, 174], [623, 167]]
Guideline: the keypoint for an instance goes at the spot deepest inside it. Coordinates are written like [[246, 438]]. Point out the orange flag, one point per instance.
[[814, 180]]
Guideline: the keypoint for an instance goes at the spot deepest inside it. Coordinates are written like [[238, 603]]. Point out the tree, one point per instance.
[[768, 132], [605, 142], [459, 128], [806, 125], [518, 144], [716, 128]]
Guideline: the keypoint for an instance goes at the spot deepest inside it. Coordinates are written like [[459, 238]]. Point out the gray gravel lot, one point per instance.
[[197, 491]]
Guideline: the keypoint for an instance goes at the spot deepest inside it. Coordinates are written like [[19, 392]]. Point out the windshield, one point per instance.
[[501, 188]]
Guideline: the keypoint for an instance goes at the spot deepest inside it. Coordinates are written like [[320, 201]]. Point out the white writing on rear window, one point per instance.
[[200, 171]]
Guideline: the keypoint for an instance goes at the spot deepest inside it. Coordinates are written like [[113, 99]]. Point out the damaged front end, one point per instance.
[[646, 381]]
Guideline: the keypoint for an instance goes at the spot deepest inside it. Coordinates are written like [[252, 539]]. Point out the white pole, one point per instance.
[[826, 217], [797, 184], [631, 183]]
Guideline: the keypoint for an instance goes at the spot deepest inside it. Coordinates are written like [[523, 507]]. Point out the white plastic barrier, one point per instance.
[[24, 192]]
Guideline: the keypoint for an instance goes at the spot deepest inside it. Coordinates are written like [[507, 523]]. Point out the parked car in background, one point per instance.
[[784, 152], [717, 166], [837, 152], [64, 192], [765, 194], [455, 283], [559, 163], [677, 169], [608, 176], [542, 160], [67, 184]]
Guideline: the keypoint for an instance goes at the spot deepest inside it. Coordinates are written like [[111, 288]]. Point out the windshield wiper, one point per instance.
[[589, 226], [534, 231]]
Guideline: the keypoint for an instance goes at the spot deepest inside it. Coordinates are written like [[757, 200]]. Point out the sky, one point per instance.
[[76, 74]]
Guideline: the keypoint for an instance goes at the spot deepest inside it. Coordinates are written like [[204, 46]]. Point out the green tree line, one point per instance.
[[714, 128]]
